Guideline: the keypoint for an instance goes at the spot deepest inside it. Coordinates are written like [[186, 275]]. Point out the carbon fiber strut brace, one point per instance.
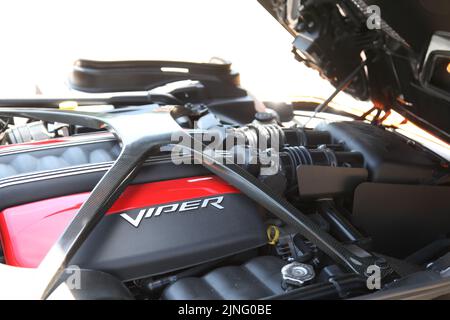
[[141, 131]]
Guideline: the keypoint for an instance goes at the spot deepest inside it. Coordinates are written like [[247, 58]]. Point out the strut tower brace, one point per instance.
[[141, 131]]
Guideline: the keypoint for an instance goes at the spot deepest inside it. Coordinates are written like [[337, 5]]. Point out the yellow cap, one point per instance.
[[68, 105], [273, 234]]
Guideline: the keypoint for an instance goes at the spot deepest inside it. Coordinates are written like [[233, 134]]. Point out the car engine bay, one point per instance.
[[180, 232], [169, 181]]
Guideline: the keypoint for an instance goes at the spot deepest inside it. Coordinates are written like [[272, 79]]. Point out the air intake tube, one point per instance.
[[277, 153], [293, 157]]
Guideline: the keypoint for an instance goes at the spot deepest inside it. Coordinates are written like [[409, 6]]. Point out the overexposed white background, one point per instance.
[[40, 39]]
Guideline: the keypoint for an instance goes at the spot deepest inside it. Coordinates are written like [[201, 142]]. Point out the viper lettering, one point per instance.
[[171, 208]]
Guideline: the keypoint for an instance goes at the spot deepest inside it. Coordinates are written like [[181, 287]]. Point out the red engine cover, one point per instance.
[[28, 231]]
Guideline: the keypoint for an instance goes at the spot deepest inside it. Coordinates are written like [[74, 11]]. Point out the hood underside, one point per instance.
[[388, 40]]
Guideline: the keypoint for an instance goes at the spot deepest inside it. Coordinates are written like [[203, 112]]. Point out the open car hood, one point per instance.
[[392, 37]]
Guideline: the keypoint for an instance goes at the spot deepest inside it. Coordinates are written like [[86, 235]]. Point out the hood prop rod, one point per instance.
[[342, 86]]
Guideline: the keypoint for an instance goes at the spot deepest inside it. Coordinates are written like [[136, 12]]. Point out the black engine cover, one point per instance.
[[174, 239]]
